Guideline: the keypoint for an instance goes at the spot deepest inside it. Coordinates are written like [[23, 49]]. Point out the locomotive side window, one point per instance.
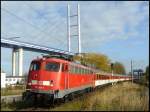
[[71, 68], [35, 66], [73, 71], [52, 66], [64, 68]]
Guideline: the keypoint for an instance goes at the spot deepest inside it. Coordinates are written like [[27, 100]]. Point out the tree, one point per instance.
[[147, 72], [118, 68], [99, 61]]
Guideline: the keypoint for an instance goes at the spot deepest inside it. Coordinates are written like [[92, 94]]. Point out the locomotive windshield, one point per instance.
[[35, 66], [52, 66]]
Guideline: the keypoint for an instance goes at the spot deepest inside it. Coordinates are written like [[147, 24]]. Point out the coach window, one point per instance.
[[88, 71], [83, 70], [77, 70], [73, 71], [80, 70]]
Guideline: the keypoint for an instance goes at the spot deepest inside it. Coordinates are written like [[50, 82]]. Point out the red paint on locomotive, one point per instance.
[[65, 77]]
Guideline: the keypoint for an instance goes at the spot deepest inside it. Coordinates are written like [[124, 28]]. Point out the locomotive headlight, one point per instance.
[[46, 83], [51, 83], [29, 83]]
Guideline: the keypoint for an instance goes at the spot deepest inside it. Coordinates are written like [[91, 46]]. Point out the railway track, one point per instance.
[[11, 98], [39, 106]]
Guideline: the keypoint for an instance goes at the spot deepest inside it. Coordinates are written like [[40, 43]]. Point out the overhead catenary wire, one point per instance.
[[45, 25], [52, 28], [28, 23]]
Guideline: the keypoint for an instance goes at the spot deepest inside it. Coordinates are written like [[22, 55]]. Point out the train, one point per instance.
[[52, 78]]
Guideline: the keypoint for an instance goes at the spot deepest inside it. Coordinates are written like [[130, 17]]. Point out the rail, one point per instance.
[[11, 98]]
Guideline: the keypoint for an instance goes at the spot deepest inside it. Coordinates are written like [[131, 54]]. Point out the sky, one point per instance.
[[118, 29]]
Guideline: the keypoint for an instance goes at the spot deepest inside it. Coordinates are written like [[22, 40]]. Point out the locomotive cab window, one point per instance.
[[52, 66], [35, 66]]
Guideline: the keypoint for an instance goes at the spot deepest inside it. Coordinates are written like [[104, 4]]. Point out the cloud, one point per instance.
[[101, 21], [45, 22], [104, 22], [35, 22]]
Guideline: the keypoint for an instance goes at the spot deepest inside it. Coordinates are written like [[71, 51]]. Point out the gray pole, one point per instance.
[[131, 71], [79, 39], [68, 26]]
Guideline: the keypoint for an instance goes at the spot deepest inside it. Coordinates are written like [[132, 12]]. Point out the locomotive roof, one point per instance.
[[51, 59], [62, 61]]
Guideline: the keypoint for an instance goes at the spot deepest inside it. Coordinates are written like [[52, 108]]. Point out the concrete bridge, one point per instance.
[[19, 47]]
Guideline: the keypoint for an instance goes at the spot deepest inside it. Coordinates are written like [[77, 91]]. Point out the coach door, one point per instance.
[[66, 72]]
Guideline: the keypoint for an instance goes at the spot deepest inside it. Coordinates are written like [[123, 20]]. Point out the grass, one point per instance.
[[119, 97], [143, 80], [16, 90]]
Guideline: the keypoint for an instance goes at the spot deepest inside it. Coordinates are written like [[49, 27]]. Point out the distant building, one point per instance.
[[13, 80], [3, 79]]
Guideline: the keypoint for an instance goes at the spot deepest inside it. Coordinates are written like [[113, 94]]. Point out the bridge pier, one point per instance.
[[20, 61], [14, 62], [20, 51]]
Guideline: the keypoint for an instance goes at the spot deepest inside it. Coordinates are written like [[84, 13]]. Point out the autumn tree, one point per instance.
[[99, 61], [147, 72], [119, 68]]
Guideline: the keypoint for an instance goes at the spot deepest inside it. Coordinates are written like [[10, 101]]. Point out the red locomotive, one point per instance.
[[54, 78]]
